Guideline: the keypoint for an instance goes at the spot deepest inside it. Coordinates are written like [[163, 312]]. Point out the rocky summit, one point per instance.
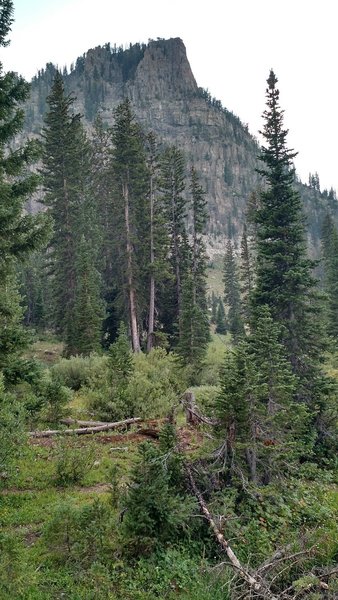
[[167, 100]]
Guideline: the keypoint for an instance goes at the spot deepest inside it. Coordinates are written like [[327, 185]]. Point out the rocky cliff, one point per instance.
[[166, 99]]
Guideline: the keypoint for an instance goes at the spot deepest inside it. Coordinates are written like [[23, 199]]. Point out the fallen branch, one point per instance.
[[83, 423], [83, 430], [258, 586]]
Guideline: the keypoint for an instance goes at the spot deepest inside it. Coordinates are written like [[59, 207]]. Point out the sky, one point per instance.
[[231, 46]]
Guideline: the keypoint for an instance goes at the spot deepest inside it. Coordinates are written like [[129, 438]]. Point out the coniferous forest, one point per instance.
[[168, 421]]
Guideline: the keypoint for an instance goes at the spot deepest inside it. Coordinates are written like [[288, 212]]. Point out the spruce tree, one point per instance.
[[221, 324], [172, 186], [246, 275], [65, 171], [158, 237], [89, 308], [232, 294], [20, 233], [193, 323], [129, 172], [262, 422], [284, 279], [330, 260]]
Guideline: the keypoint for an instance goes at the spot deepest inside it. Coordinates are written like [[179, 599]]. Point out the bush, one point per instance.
[[72, 463], [12, 435], [81, 535], [77, 371], [55, 399], [151, 388], [158, 381]]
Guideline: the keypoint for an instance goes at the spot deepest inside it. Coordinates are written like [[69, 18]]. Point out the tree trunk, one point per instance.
[[135, 340]]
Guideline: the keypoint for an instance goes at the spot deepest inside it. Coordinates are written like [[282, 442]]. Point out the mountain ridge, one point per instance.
[[166, 99]]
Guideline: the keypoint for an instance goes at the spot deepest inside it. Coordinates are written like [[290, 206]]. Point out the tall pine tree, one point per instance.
[[20, 233], [129, 172], [284, 279]]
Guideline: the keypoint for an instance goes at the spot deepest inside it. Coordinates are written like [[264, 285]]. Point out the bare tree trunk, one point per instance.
[[135, 340], [255, 584]]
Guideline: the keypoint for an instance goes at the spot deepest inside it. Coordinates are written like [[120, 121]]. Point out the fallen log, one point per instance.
[[83, 430], [83, 423], [257, 585]]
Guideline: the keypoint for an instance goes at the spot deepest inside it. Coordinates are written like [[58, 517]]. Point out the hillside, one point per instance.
[[166, 99]]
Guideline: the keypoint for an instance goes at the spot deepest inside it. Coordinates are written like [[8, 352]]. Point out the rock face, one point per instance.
[[166, 99]]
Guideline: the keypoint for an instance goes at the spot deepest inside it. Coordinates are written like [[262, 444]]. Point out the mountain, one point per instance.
[[167, 100]]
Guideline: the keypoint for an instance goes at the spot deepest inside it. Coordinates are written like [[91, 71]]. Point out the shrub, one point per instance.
[[12, 435], [78, 371], [81, 535], [72, 464]]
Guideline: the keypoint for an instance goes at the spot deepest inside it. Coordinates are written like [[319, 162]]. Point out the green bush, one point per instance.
[[12, 434], [80, 535], [151, 390], [78, 371], [72, 464]]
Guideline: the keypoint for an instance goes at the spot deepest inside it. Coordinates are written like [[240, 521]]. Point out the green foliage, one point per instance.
[[12, 435], [149, 390], [20, 233], [263, 423], [155, 513], [71, 464], [232, 294], [79, 371], [79, 535], [55, 398]]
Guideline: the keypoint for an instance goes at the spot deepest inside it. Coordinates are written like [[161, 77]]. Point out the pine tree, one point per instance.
[[246, 275], [263, 423], [20, 233], [101, 190], [284, 274], [221, 324], [132, 234], [172, 186], [89, 308], [194, 326], [232, 294], [158, 237], [65, 171], [330, 260]]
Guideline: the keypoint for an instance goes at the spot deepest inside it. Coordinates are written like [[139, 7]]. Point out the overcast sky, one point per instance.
[[231, 46]]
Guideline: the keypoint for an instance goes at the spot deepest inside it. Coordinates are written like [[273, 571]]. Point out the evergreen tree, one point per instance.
[[65, 171], [20, 233], [284, 279], [129, 172], [158, 237], [221, 324], [330, 260], [89, 308], [232, 294], [101, 190], [172, 185], [263, 424], [194, 324], [246, 275]]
